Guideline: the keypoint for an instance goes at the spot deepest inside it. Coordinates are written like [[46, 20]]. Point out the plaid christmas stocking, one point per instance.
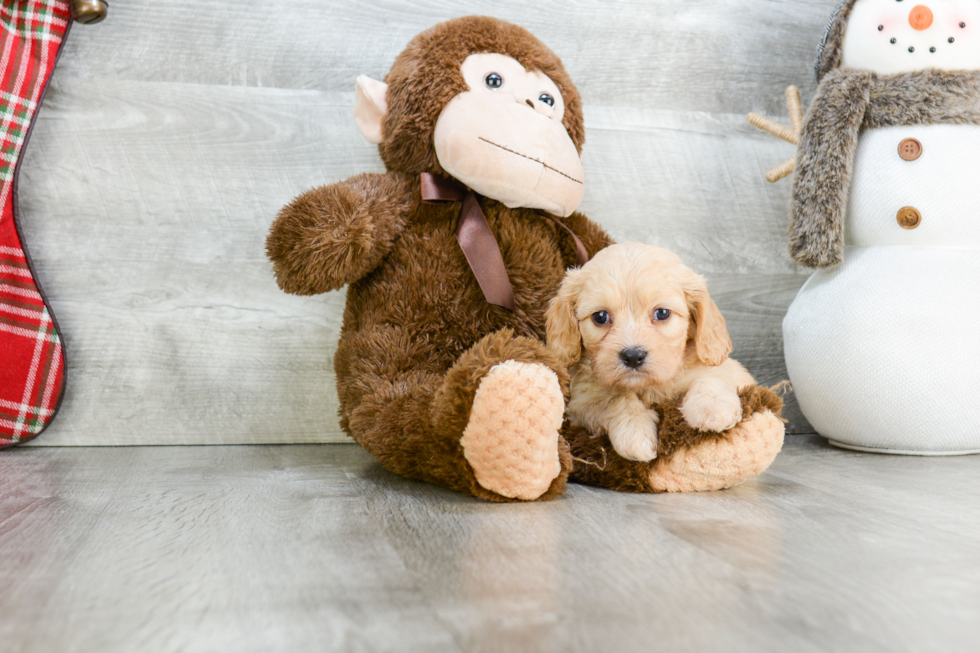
[[32, 362]]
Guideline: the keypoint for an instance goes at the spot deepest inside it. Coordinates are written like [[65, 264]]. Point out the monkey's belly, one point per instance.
[[931, 168], [884, 350]]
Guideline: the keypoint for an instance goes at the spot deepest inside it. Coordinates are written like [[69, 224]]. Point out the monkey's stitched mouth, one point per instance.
[[531, 158]]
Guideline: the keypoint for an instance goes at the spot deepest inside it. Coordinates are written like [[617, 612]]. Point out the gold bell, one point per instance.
[[89, 12]]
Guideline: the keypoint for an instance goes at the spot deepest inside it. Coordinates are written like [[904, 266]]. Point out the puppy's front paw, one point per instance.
[[634, 437], [711, 405]]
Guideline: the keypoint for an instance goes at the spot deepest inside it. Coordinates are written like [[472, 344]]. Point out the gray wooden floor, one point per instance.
[[316, 548]]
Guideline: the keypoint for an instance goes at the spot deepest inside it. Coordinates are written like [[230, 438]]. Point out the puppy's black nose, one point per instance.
[[633, 357]]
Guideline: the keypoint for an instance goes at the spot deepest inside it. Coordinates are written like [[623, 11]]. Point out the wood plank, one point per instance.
[[697, 55], [315, 547], [163, 549], [176, 333], [151, 181]]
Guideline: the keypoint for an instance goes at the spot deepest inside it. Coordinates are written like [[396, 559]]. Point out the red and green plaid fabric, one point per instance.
[[32, 371]]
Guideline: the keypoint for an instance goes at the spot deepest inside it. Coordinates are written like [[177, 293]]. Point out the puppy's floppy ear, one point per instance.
[[711, 341], [564, 338]]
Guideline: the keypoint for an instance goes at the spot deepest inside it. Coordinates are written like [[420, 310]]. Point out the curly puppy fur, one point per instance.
[[418, 335], [685, 353], [847, 102]]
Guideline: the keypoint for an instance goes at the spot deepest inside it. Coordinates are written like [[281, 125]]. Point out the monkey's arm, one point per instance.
[[825, 161], [592, 236], [688, 460], [333, 235]]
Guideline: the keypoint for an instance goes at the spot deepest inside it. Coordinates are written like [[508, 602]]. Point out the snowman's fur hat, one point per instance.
[[829, 50]]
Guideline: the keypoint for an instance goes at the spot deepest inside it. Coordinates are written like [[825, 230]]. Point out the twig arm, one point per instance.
[[774, 128], [795, 109]]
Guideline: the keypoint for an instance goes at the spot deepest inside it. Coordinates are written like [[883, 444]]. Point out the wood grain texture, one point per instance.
[[315, 547], [173, 132]]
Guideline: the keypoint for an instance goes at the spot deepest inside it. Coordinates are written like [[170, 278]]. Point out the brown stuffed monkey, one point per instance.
[[451, 258]]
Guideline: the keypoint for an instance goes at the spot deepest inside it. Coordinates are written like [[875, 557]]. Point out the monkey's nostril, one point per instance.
[[633, 358]]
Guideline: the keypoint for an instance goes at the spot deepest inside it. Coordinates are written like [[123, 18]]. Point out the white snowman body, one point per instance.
[[883, 350]]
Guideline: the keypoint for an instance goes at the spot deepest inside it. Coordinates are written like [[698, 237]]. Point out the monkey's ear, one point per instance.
[[370, 107]]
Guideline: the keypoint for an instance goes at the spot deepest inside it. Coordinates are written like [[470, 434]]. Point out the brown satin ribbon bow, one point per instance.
[[477, 240]]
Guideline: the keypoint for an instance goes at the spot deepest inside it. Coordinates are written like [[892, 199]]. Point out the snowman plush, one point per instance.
[[882, 343]]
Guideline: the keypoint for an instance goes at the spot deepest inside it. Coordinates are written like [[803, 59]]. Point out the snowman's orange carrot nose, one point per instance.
[[920, 17]]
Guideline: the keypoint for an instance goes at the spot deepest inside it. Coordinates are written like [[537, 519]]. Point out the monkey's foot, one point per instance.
[[745, 451], [511, 439]]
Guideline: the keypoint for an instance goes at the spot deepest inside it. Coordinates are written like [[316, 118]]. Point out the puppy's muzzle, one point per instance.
[[633, 358]]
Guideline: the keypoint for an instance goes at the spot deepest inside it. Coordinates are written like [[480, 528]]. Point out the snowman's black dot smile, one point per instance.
[[911, 49], [932, 49], [894, 41]]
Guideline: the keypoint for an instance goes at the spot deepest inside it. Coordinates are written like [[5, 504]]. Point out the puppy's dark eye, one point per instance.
[[661, 314], [601, 318], [493, 80], [547, 99]]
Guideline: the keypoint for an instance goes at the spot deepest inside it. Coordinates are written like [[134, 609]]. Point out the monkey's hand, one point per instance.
[[333, 235]]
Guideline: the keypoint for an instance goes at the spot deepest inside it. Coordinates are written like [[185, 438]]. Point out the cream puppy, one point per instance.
[[636, 328]]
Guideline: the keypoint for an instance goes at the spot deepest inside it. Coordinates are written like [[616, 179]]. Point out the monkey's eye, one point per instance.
[[661, 314], [601, 318], [547, 99], [493, 80]]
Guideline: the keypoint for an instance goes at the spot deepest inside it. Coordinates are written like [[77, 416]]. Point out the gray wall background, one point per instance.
[[173, 132]]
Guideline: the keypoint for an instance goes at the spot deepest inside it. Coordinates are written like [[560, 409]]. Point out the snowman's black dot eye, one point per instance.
[[932, 49], [881, 27], [911, 49], [894, 41], [962, 24], [547, 99], [951, 39], [493, 80]]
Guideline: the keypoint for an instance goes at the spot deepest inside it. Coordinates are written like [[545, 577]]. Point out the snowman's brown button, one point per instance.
[[909, 217], [910, 149]]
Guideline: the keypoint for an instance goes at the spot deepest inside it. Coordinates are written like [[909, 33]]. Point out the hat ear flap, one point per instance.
[[829, 50], [564, 337]]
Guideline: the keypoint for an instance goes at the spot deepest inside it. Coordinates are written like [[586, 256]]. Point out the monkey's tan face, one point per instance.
[[504, 137]]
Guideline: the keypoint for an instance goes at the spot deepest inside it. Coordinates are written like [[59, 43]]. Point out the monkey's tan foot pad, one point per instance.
[[744, 451], [511, 440]]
